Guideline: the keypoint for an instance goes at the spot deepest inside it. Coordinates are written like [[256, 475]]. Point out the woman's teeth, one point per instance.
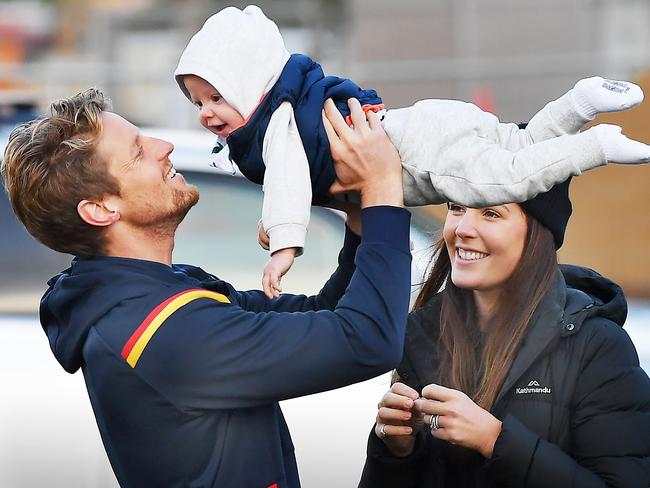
[[470, 255]]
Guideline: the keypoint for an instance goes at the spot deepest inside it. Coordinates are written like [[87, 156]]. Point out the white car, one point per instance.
[[48, 436]]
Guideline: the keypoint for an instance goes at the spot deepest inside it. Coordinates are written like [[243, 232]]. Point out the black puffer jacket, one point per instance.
[[575, 405]]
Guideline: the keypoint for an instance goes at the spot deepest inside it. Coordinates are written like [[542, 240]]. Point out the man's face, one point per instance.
[[152, 194]]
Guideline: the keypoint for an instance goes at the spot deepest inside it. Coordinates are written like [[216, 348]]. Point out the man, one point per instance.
[[184, 372]]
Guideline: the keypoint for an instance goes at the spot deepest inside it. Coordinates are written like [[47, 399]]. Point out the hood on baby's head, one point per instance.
[[239, 52]]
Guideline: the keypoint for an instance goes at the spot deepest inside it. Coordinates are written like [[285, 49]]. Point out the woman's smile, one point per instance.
[[466, 255]]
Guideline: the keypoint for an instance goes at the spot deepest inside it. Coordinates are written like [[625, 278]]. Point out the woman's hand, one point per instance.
[[398, 421], [459, 420]]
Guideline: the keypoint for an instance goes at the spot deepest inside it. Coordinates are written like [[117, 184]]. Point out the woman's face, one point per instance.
[[484, 244]]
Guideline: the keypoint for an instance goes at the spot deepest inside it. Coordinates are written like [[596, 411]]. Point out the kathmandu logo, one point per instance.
[[533, 387]]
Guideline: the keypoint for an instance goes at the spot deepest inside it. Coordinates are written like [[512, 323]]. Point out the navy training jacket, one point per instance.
[[185, 373]]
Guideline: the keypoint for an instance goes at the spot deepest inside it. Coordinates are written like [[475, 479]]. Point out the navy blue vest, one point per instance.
[[303, 84]]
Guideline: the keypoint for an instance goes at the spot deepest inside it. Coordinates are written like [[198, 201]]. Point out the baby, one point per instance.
[[265, 104]]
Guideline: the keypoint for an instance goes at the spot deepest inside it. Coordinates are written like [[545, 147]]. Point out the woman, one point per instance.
[[525, 374]]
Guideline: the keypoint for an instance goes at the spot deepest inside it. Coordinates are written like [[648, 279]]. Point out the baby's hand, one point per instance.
[[275, 269], [262, 236]]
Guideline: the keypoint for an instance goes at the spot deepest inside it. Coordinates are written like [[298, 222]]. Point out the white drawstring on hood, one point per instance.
[[239, 52]]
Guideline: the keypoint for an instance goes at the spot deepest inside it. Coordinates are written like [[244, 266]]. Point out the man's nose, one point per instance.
[[163, 148], [168, 148]]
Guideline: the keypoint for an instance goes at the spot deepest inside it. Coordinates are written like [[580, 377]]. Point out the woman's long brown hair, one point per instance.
[[477, 362]]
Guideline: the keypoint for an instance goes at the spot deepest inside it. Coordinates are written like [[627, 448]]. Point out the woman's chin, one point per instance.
[[465, 283]]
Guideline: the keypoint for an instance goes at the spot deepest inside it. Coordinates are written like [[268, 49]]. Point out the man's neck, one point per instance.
[[146, 244]]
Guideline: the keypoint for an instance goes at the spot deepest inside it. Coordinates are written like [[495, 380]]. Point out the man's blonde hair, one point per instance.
[[50, 165]]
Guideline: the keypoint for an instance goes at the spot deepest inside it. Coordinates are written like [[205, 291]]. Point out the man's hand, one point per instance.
[[364, 158]]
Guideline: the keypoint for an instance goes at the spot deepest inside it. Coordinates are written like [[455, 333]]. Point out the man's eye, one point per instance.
[[197, 104], [216, 98]]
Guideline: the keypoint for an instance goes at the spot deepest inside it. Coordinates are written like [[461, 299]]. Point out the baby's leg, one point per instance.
[[618, 148], [589, 97], [483, 173], [595, 95]]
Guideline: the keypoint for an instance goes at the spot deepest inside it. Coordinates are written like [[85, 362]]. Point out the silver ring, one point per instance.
[[382, 432], [433, 422]]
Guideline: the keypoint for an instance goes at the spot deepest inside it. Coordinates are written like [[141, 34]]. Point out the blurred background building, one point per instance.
[[508, 56]]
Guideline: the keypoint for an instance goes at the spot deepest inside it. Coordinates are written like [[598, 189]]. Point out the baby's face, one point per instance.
[[215, 114]]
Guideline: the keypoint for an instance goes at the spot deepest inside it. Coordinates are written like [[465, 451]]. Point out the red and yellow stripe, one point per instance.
[[136, 344]]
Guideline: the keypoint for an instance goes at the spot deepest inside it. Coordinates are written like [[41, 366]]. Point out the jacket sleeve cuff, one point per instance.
[[386, 225], [513, 451], [378, 451], [287, 235]]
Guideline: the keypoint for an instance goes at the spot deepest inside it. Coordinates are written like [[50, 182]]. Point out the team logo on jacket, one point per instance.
[[533, 387]]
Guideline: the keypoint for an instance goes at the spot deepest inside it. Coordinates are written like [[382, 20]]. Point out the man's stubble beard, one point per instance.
[[165, 226]]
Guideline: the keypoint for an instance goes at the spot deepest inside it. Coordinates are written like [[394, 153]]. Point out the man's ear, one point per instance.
[[97, 213]]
